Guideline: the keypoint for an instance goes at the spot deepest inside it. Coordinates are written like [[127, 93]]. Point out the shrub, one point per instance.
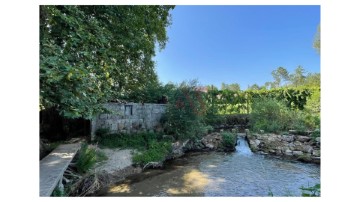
[[268, 115], [229, 140], [137, 141], [184, 117], [87, 157]]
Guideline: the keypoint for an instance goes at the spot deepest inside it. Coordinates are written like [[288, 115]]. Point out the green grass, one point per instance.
[[156, 152], [152, 147], [87, 158]]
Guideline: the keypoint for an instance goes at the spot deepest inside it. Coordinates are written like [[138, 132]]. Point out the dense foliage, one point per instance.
[[184, 117], [235, 102], [272, 115], [92, 54]]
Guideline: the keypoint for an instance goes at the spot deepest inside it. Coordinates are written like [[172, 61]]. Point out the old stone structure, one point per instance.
[[298, 147], [129, 118]]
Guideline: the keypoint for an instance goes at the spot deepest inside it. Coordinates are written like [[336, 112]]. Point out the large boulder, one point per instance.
[[212, 141], [178, 149]]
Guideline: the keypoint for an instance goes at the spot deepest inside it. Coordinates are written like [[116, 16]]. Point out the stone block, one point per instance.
[[113, 127], [288, 152], [308, 149], [302, 138], [121, 126], [287, 138], [103, 116], [298, 153]]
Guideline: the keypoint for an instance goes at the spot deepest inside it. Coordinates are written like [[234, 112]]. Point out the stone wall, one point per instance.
[[298, 147], [129, 118]]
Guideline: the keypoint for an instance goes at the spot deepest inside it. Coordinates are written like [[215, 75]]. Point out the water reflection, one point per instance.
[[194, 181], [122, 188]]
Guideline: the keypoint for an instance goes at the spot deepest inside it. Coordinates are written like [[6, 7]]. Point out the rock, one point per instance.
[[178, 149], [287, 138], [317, 139], [316, 153], [302, 138], [212, 141], [315, 159], [305, 158], [298, 153], [307, 149], [210, 146], [257, 142], [297, 143], [288, 152]]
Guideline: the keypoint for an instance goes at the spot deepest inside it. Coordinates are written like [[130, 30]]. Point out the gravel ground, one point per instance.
[[118, 159]]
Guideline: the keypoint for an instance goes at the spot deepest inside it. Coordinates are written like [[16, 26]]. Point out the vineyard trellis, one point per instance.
[[239, 102]]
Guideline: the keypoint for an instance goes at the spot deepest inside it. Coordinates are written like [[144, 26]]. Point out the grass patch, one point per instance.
[[152, 147], [156, 152], [87, 158]]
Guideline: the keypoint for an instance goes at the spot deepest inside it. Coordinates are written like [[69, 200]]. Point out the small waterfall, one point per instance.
[[242, 146]]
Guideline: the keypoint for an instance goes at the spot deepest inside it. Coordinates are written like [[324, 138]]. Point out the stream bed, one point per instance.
[[240, 173]]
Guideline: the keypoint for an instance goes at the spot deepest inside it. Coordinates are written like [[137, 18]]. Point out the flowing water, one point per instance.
[[240, 173]]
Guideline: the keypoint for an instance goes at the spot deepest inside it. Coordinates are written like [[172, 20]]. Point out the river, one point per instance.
[[240, 173]]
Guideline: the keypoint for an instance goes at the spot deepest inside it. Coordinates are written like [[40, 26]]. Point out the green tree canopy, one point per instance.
[[92, 54]]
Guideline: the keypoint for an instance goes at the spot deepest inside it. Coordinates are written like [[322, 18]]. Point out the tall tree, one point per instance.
[[280, 75], [316, 43], [254, 87], [92, 54], [312, 80], [298, 78]]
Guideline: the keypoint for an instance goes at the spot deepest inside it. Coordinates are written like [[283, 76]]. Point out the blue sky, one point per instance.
[[238, 44]]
